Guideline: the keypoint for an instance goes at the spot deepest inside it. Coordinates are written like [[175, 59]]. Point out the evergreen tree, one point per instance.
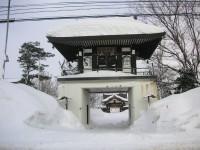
[[186, 81], [31, 55]]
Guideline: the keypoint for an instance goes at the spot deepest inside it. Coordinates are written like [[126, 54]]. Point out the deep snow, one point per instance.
[[179, 112], [30, 119]]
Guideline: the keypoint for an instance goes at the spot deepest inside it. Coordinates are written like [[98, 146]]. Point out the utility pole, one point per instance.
[[6, 59]]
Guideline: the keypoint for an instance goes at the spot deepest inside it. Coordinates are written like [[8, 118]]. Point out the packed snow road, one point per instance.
[[63, 139]]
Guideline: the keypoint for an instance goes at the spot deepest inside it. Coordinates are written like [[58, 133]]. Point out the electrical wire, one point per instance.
[[78, 6], [94, 16], [63, 6], [66, 10], [82, 6], [97, 2], [59, 10], [70, 3]]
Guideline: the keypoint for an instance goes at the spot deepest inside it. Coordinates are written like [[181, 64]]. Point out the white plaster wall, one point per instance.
[[75, 95], [78, 93], [140, 104], [140, 96], [61, 93]]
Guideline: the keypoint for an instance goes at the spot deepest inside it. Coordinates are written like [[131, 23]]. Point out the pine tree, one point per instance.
[[31, 55], [186, 81]]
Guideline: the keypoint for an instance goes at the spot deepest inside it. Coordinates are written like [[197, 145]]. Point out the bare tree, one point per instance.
[[95, 100], [165, 76], [49, 85], [179, 50], [181, 21], [68, 68]]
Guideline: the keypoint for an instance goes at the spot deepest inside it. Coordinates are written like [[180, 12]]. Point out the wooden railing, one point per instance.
[[136, 71]]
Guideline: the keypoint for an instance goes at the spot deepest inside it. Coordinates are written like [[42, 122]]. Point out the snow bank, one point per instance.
[[21, 105], [104, 26], [175, 113]]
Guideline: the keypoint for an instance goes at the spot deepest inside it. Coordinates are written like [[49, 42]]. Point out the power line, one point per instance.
[[95, 16], [86, 5], [64, 6], [59, 10], [77, 9], [81, 6], [62, 3], [97, 2], [68, 5]]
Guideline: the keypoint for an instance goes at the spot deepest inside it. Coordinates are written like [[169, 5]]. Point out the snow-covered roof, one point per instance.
[[115, 95], [104, 26]]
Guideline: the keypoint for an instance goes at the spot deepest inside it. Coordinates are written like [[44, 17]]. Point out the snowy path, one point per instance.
[[109, 121], [86, 139]]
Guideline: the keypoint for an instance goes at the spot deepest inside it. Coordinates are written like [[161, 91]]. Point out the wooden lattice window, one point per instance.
[[106, 57]]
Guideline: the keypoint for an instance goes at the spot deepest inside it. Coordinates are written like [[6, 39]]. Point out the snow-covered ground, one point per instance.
[[113, 120], [32, 120]]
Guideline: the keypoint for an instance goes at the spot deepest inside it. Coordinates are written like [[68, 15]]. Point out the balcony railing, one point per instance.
[[135, 71]]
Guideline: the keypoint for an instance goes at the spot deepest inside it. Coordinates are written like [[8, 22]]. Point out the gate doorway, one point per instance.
[[109, 110]]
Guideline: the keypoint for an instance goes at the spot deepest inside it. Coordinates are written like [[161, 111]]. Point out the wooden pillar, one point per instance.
[[133, 62], [119, 59], [80, 61], [94, 59], [88, 114]]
